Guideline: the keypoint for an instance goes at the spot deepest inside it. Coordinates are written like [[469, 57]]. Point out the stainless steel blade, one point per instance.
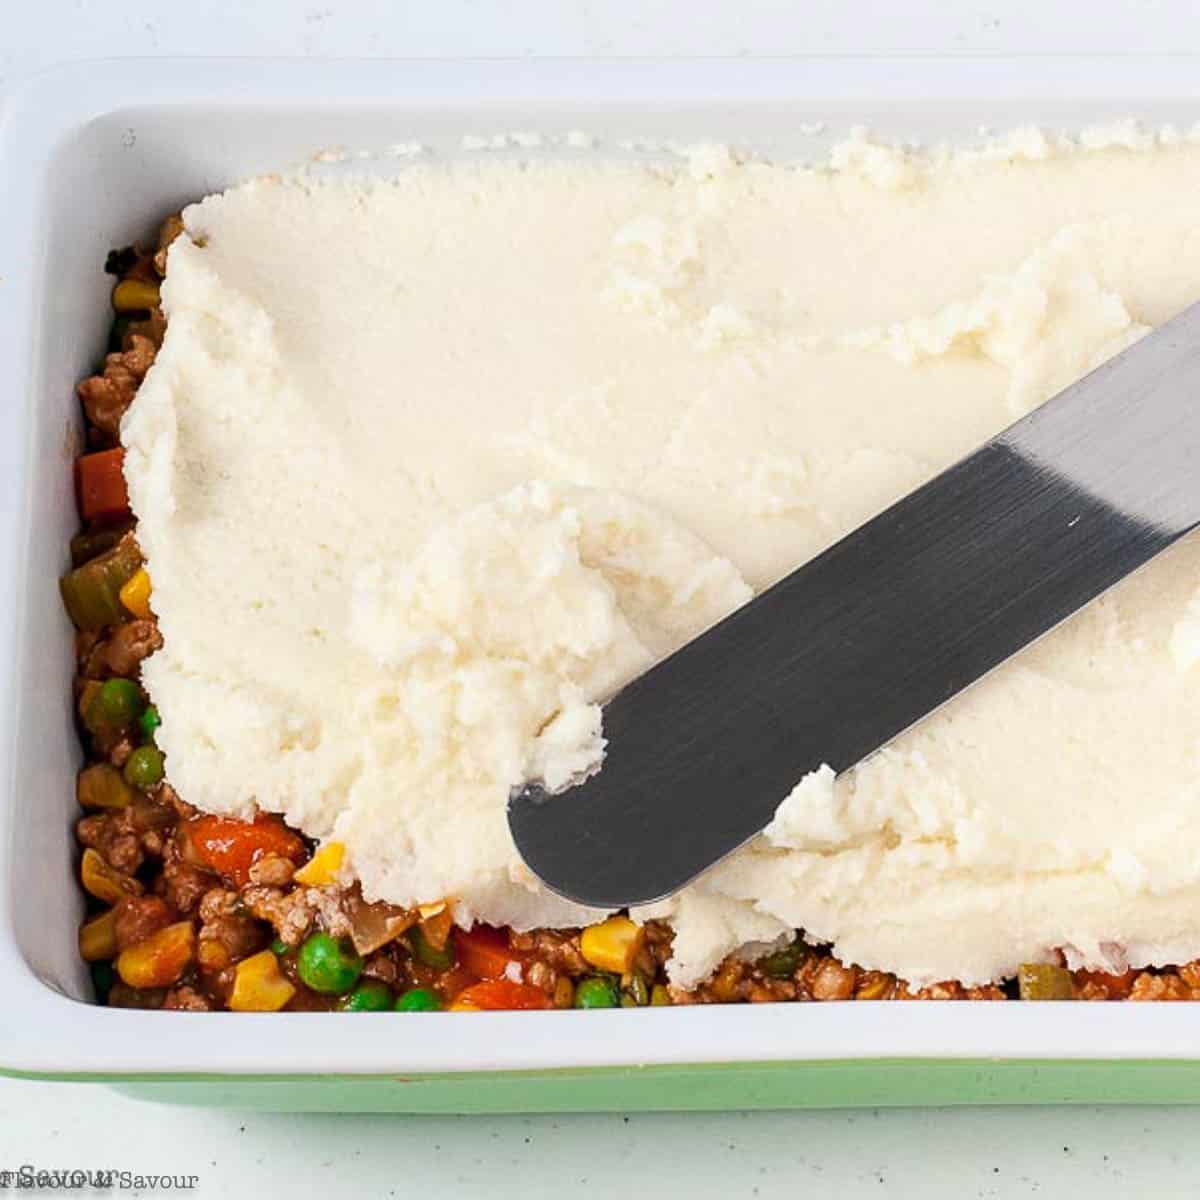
[[881, 629]]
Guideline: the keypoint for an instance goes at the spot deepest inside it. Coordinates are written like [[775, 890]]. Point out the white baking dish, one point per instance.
[[92, 156]]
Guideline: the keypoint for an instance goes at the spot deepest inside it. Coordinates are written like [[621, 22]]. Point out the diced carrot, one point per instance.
[[484, 951], [501, 994], [232, 847], [1116, 986], [100, 485]]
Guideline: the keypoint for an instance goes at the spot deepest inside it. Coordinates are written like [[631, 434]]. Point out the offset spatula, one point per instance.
[[880, 629]]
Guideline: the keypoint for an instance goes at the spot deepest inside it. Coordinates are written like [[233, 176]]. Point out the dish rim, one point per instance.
[[47, 1032]]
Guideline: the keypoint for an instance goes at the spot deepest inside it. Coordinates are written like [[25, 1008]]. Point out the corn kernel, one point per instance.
[[135, 295], [259, 985], [160, 959], [323, 867], [102, 786], [103, 882], [135, 594], [98, 937], [464, 1006], [875, 987], [612, 945]]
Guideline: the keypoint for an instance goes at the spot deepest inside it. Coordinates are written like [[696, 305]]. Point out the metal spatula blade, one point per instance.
[[881, 629]]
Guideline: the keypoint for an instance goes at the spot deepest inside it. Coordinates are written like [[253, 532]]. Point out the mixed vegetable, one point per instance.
[[196, 911]]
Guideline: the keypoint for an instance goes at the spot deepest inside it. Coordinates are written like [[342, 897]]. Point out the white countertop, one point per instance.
[[937, 1154], [934, 1153]]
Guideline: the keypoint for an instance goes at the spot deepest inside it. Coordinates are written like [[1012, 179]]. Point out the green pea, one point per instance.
[[279, 946], [423, 952], [372, 996], [328, 965], [782, 963], [144, 767], [419, 999], [597, 991], [149, 722], [115, 707]]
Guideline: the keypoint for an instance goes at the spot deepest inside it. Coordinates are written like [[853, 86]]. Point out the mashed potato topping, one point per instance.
[[429, 466]]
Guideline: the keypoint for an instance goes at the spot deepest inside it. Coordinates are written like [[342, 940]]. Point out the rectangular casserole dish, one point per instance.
[[92, 156]]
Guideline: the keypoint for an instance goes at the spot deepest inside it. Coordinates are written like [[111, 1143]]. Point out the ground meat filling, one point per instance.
[[106, 396], [197, 913]]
